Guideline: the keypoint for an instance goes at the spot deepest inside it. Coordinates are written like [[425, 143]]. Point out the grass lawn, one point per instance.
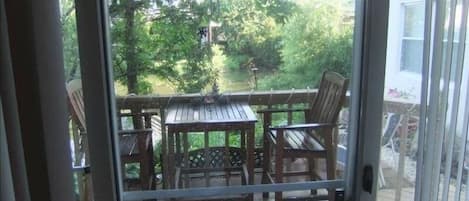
[[229, 81]]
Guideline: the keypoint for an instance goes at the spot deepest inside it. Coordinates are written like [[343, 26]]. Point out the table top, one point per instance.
[[212, 113]]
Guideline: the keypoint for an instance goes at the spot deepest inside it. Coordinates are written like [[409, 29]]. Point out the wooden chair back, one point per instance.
[[77, 106], [330, 98], [135, 145], [390, 128]]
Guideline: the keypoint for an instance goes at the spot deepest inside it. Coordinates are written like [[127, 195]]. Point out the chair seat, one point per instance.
[[128, 145], [298, 140]]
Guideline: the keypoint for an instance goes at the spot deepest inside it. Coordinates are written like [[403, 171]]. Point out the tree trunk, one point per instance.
[[130, 52]]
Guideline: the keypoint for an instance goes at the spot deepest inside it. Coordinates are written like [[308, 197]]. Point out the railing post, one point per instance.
[[164, 148], [266, 154]]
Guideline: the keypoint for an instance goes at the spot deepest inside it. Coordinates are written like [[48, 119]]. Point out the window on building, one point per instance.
[[412, 37]]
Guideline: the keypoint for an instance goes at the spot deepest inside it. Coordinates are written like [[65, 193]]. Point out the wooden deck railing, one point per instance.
[[253, 98], [288, 98], [263, 99]]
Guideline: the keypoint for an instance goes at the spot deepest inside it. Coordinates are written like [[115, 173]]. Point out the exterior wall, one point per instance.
[[410, 82], [407, 82]]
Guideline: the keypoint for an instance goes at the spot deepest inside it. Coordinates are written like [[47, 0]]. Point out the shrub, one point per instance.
[[316, 39]]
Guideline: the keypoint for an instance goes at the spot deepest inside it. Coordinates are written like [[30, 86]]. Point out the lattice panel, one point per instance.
[[197, 157]]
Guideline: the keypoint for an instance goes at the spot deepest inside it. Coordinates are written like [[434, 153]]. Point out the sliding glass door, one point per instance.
[[424, 136], [180, 97]]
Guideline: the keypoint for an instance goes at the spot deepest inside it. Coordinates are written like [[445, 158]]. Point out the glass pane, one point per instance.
[[401, 109], [453, 158], [77, 127], [443, 145], [411, 57], [414, 19], [191, 77]]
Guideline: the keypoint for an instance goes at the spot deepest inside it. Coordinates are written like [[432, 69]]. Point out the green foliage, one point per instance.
[[280, 10], [251, 29], [218, 57], [70, 42], [233, 62], [157, 154], [182, 58], [293, 41], [314, 40], [166, 44], [132, 53]]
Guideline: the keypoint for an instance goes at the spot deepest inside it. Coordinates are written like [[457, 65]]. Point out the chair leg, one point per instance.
[[151, 168], [88, 191], [146, 169], [266, 165], [144, 175], [330, 175], [278, 171], [311, 169], [123, 173]]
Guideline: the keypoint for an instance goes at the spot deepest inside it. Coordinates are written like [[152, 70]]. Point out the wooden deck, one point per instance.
[[216, 180], [236, 180], [384, 194], [407, 194], [263, 99]]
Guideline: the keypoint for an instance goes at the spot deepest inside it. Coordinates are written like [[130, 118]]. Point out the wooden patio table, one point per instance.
[[205, 117]]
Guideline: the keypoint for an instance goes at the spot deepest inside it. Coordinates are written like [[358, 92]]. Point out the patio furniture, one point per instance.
[[391, 126], [315, 139], [390, 129], [135, 145], [204, 117]]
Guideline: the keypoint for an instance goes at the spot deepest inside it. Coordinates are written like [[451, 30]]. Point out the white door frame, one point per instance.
[[367, 103]]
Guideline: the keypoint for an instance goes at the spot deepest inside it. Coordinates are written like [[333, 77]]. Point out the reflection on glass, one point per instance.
[[412, 37], [444, 171], [414, 19], [399, 136], [77, 129], [411, 57]]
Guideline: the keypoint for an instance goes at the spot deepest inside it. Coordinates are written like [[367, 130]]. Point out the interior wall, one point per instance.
[[6, 181], [11, 125], [33, 88]]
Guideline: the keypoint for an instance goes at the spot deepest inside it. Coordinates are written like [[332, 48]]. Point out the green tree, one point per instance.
[[69, 38], [316, 39], [131, 56], [252, 30], [181, 57], [162, 40], [280, 10]]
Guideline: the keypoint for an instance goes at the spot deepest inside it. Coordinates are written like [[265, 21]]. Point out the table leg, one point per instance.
[[164, 149], [243, 140], [250, 157], [171, 162], [186, 159], [178, 148], [207, 158], [226, 156]]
